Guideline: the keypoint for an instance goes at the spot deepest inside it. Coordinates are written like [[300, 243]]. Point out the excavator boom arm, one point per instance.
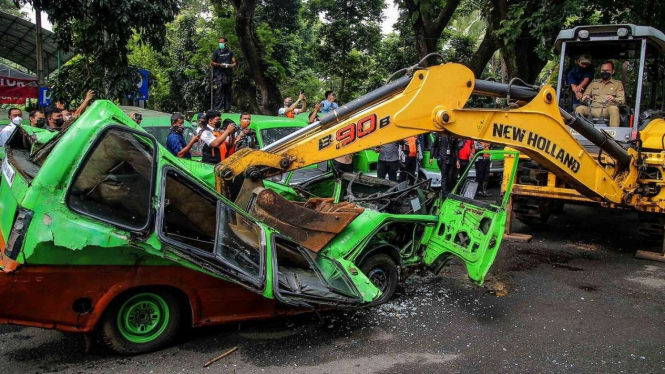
[[433, 100]]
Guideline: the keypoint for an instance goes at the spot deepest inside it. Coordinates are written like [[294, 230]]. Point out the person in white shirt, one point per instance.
[[290, 109], [213, 138], [15, 117]]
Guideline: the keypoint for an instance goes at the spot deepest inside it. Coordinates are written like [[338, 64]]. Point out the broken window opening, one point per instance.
[[115, 182], [303, 273], [197, 220], [239, 242], [189, 214]]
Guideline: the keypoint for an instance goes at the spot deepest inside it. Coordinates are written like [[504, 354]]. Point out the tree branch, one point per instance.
[[444, 17]]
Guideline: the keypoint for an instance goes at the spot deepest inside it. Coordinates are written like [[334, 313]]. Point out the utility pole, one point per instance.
[[39, 55]]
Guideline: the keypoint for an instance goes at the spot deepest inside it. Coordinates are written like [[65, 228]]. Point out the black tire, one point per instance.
[[557, 206], [532, 210], [381, 269], [651, 225], [135, 311]]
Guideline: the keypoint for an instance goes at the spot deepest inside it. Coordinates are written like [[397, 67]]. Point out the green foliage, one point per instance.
[[9, 6], [100, 32], [311, 45], [348, 38]]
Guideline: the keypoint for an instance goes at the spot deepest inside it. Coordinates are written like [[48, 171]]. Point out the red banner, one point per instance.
[[12, 100], [15, 91]]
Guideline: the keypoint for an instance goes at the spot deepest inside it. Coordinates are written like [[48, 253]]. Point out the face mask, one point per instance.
[[58, 122], [604, 75], [217, 124], [41, 122], [222, 45], [178, 129], [244, 123], [17, 120], [288, 103]]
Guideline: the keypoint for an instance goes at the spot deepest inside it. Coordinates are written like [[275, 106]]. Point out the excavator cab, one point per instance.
[[636, 53]]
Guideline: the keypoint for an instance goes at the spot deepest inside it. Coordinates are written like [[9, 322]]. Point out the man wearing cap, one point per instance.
[[201, 121], [175, 142], [579, 77], [605, 94]]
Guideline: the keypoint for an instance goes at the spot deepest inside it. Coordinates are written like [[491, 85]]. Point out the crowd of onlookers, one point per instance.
[[219, 139], [398, 161], [52, 118]]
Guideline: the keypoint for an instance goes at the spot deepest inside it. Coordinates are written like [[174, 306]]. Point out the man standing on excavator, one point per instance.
[[605, 95]]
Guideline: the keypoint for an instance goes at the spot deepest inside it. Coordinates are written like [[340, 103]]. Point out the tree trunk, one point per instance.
[[491, 42], [342, 83], [428, 31], [484, 53], [251, 47], [245, 94]]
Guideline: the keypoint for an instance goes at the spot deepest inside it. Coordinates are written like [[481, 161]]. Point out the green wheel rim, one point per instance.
[[143, 318]]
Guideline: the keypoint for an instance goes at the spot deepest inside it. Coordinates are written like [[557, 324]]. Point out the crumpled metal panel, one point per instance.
[[312, 224]]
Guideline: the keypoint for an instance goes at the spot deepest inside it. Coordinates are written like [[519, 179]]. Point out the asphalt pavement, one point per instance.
[[574, 300]]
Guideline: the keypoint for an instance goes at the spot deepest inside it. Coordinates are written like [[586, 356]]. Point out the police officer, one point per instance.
[[605, 95], [223, 61], [444, 149]]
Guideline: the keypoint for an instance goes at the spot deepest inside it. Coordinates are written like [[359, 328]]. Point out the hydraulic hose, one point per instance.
[[579, 124]]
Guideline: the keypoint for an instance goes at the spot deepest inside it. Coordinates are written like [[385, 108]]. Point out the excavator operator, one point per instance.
[[605, 95]]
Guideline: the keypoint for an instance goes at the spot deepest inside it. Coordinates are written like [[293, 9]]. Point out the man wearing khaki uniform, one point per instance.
[[605, 94]]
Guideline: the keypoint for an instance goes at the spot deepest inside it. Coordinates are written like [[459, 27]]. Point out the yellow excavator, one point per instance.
[[435, 99], [636, 52]]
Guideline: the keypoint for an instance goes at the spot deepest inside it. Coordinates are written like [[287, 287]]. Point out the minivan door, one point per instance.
[[214, 236], [468, 228]]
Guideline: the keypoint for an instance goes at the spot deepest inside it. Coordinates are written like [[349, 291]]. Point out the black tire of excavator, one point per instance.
[[557, 206], [651, 225], [531, 210]]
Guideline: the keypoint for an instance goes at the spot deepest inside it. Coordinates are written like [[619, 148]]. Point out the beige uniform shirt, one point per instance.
[[599, 90], [345, 159]]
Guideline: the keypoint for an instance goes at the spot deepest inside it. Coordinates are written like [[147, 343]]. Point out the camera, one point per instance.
[[138, 117]]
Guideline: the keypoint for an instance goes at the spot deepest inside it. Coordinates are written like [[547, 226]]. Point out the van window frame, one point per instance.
[[79, 168], [218, 261]]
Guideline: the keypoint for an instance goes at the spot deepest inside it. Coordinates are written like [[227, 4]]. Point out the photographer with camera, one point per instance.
[[245, 137], [137, 117], [290, 108], [216, 137]]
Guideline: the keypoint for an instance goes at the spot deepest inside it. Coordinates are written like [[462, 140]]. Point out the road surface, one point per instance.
[[574, 300]]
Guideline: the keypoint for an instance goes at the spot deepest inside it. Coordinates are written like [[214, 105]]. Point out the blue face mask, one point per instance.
[[222, 45]]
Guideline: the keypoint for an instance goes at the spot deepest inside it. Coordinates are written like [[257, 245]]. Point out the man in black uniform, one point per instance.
[[223, 61], [444, 149]]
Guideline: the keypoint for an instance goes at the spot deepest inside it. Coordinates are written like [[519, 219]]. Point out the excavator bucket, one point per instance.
[[468, 229]]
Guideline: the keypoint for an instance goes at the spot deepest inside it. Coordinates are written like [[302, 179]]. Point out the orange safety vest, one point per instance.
[[223, 149], [413, 146]]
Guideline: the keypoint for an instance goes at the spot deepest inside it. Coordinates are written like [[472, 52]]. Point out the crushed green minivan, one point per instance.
[[103, 231]]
